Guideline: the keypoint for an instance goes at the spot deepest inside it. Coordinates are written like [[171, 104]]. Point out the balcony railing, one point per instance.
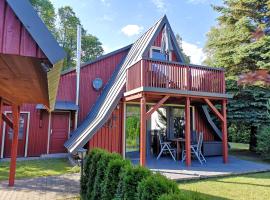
[[172, 75]]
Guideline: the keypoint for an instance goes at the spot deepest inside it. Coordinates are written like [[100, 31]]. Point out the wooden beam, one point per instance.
[[155, 107], [214, 109], [7, 120], [133, 97], [187, 131], [224, 132], [143, 132], [1, 110], [14, 147]]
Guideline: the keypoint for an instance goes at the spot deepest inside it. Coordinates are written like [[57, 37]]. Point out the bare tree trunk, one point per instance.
[[253, 139]]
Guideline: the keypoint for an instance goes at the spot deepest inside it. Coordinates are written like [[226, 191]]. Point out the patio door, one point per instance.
[[23, 126]]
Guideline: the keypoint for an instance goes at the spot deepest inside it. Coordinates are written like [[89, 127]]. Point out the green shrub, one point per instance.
[[101, 169], [239, 133], [154, 186], [182, 196], [263, 142], [129, 180], [86, 171], [112, 177], [92, 171]]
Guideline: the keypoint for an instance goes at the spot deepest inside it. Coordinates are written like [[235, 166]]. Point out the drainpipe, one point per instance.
[[78, 65]]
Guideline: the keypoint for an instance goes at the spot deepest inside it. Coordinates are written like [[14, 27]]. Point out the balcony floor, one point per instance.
[[214, 167]]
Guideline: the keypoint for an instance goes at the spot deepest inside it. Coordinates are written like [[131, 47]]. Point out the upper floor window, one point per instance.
[[156, 54]]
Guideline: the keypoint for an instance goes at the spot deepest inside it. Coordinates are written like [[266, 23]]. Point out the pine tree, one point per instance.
[[233, 43]]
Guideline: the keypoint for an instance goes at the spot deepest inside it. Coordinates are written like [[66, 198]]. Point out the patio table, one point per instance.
[[178, 146]]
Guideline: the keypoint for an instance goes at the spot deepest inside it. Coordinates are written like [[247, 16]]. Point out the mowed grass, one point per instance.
[[38, 168], [251, 186], [242, 151]]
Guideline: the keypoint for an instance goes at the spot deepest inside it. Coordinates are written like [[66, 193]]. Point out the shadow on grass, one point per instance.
[[200, 196]]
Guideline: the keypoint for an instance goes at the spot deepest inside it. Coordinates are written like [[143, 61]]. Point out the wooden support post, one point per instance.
[[224, 132], [187, 131], [1, 110], [14, 147], [143, 132]]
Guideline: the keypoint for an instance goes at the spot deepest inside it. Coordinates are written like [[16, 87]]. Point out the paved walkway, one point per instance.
[[43, 188], [213, 168]]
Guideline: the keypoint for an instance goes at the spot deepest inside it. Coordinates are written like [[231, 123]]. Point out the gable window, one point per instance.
[[157, 55]]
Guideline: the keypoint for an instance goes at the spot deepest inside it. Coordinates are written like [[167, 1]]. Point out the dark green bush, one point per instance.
[[182, 196], [101, 169], [112, 177], [86, 171], [239, 133], [263, 142], [92, 171], [129, 180], [154, 186]]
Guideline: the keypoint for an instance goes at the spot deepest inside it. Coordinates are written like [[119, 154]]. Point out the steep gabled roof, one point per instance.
[[114, 90], [37, 29]]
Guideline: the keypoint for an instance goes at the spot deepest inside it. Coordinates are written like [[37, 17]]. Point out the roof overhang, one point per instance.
[[60, 105]]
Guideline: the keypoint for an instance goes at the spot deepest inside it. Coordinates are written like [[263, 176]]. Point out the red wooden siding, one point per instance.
[[67, 87], [102, 69], [201, 125], [109, 137], [38, 130], [157, 41], [14, 38]]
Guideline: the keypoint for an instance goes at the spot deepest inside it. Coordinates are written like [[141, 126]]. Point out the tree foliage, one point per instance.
[[233, 43], [65, 31], [249, 107]]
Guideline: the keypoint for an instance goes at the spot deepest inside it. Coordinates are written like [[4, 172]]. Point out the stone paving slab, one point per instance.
[[42, 188]]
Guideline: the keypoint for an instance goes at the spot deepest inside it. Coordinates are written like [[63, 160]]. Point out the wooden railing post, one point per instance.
[[142, 73], [189, 81]]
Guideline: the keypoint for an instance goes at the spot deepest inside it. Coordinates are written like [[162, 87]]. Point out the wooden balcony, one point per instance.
[[172, 77]]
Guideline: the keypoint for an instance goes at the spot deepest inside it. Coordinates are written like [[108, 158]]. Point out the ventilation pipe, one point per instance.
[[78, 68]]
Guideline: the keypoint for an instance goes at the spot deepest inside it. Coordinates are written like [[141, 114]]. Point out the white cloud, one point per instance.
[[132, 29], [196, 53], [160, 5]]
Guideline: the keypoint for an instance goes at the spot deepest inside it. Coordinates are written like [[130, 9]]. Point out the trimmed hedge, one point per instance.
[[154, 186], [101, 170], [112, 178], [88, 167], [107, 176], [129, 180], [92, 173]]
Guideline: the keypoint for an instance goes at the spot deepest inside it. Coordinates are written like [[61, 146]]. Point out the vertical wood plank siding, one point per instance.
[[38, 130], [102, 69], [201, 125], [14, 38], [109, 137]]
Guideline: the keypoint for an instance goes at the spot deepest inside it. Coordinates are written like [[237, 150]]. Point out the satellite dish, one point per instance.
[[97, 84]]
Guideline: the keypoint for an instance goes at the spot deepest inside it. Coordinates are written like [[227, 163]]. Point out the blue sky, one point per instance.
[[120, 22]]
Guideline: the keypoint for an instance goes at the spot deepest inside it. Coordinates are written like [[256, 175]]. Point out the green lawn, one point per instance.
[[37, 168], [242, 151], [252, 186]]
